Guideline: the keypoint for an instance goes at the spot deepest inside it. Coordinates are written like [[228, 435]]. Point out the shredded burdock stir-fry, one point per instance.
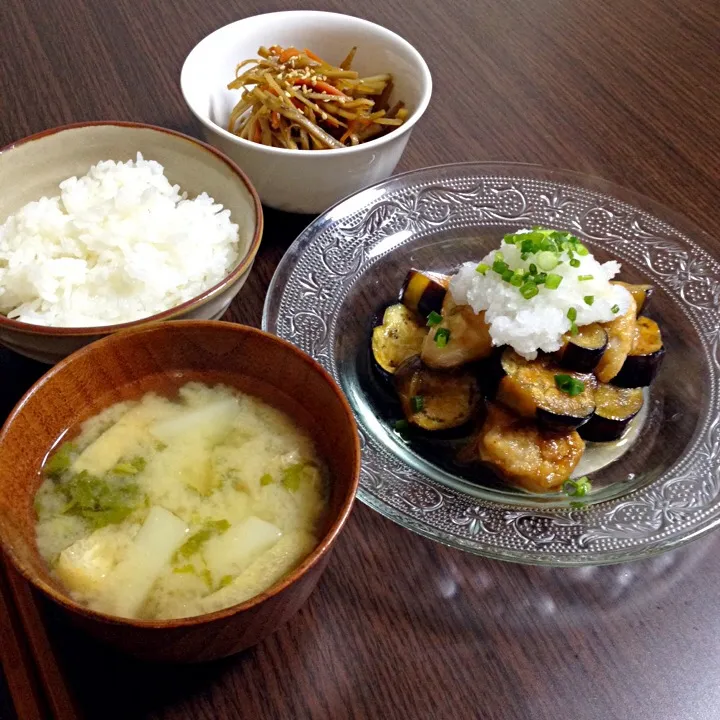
[[293, 99]]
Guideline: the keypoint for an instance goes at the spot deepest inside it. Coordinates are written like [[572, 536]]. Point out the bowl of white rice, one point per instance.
[[105, 226]]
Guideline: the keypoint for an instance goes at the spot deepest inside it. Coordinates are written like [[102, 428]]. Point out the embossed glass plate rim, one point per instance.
[[478, 172]]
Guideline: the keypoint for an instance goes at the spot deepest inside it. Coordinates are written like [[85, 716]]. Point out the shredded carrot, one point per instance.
[[288, 53], [353, 127], [314, 57], [257, 136], [321, 85]]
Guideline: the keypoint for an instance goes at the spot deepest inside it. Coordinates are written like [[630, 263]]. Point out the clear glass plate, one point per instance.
[[654, 490]]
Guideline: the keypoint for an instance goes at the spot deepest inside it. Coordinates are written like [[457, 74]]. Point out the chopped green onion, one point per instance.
[[547, 260], [580, 249], [615, 309], [579, 487], [540, 278], [507, 276], [442, 337], [582, 278], [510, 239], [575, 263], [266, 479], [569, 385], [500, 267], [573, 329], [589, 299], [529, 290], [552, 282], [401, 425], [434, 318], [572, 314], [526, 246], [482, 268], [225, 580], [417, 402], [517, 279], [524, 256], [499, 257], [533, 269]]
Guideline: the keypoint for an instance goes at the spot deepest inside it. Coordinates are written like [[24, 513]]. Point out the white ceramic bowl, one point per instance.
[[306, 181]]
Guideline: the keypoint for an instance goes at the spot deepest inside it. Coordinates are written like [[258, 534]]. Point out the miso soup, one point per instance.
[[166, 508]]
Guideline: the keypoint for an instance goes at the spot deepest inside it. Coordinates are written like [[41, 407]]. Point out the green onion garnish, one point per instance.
[[266, 479], [575, 263], [580, 249], [547, 260], [442, 337], [499, 256], [500, 266], [589, 299], [540, 278], [529, 290], [569, 385], [510, 239], [517, 279], [615, 309], [572, 314], [533, 269], [434, 318], [401, 425], [579, 487], [552, 281], [581, 278], [417, 402], [482, 268], [508, 275], [573, 329]]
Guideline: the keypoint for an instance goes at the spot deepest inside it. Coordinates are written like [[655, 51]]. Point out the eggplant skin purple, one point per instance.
[[645, 358], [530, 389], [615, 408], [583, 351]]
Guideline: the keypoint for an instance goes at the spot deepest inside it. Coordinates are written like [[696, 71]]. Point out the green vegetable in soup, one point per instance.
[[198, 539], [100, 501], [60, 461], [207, 578], [292, 476], [133, 467]]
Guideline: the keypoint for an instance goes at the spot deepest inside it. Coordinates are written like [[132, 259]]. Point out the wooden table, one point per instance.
[[400, 627]]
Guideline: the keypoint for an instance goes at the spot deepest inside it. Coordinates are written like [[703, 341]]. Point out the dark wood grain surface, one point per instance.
[[400, 627]]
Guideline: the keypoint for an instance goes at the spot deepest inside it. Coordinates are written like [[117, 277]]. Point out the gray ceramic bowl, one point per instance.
[[34, 166]]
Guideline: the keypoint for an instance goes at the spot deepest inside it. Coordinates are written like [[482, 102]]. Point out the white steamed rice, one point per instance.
[[540, 322], [119, 244]]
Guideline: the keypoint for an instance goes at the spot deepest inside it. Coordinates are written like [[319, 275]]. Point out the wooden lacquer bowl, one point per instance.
[[162, 357]]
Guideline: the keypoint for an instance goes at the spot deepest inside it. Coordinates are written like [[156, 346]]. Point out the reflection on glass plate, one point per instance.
[[655, 490]]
